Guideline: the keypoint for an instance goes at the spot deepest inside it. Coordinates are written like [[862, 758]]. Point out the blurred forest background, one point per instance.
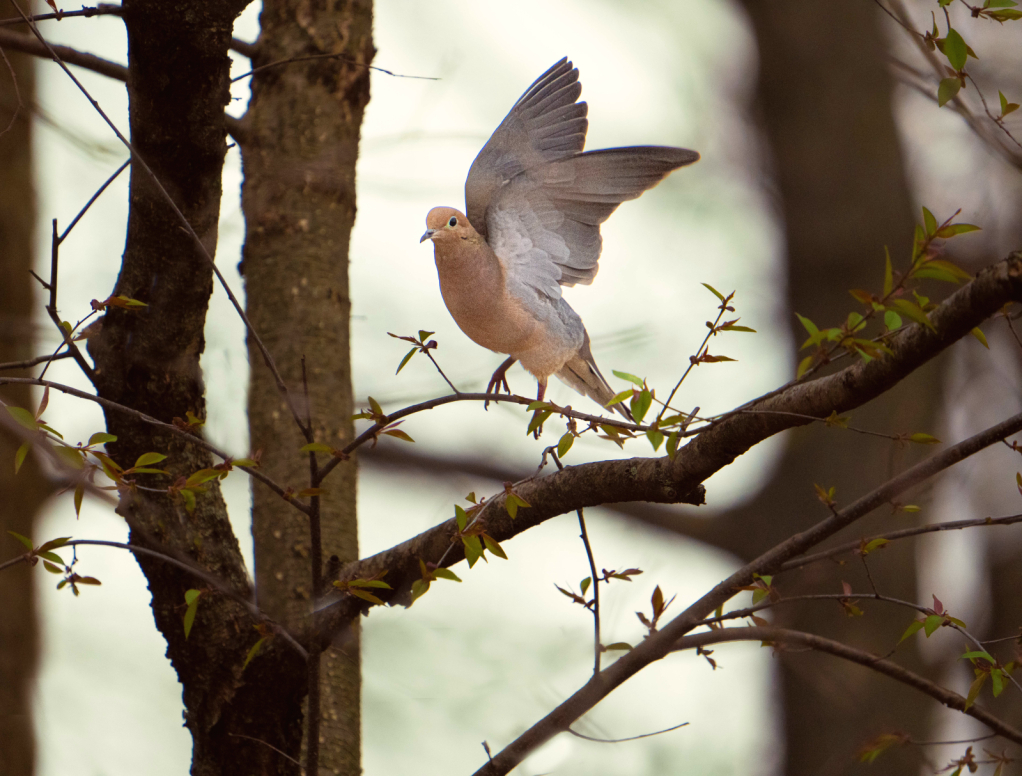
[[819, 146]]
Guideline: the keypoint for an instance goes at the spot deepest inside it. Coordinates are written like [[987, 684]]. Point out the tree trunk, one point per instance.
[[24, 493], [299, 146], [824, 100]]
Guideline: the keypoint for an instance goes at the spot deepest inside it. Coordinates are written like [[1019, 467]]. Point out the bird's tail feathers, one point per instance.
[[582, 374]]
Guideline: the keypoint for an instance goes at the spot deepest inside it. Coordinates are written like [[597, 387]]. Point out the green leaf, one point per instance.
[[564, 445], [874, 545], [23, 416], [193, 607], [978, 654], [473, 549], [931, 623], [101, 438], [996, 682], [445, 573], [914, 627], [419, 588], [929, 222], [672, 444], [461, 516], [537, 405], [656, 438], [734, 327], [79, 495], [999, 4], [912, 311], [396, 432], [640, 404], [19, 456], [376, 583], [584, 584], [808, 324], [51, 556], [538, 419], [71, 456], [953, 230], [375, 406], [1006, 15], [619, 398], [946, 90], [423, 334], [619, 646], [53, 568], [406, 359], [974, 690], [147, 459], [892, 320], [978, 334], [714, 291], [924, 439], [253, 652], [629, 378], [494, 547], [1006, 107], [955, 49], [803, 366], [53, 544], [365, 596]]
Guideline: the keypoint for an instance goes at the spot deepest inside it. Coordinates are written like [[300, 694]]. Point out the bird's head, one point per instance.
[[446, 226]]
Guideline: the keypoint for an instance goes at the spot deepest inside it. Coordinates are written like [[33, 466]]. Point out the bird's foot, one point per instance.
[[499, 380], [540, 393]]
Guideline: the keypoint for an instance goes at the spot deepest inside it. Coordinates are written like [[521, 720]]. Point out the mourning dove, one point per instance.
[[535, 203]]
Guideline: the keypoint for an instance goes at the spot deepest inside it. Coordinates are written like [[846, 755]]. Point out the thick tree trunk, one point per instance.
[[825, 103], [23, 493], [300, 145], [148, 359]]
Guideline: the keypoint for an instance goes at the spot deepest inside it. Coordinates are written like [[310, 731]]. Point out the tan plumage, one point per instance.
[[535, 202]]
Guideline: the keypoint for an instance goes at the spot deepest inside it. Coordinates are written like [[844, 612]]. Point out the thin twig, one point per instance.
[[92, 199], [34, 361], [630, 738], [342, 57], [17, 93], [271, 746]]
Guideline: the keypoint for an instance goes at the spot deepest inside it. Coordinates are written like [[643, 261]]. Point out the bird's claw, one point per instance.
[[499, 380]]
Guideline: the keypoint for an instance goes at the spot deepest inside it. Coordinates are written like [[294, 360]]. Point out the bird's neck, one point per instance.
[[470, 273]]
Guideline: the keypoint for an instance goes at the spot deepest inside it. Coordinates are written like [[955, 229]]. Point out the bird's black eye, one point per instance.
[[453, 221]]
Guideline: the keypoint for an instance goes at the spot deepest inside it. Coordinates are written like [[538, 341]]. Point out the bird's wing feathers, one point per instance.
[[545, 124], [544, 223]]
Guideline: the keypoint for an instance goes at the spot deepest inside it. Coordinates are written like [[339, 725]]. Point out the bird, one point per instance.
[[534, 201]]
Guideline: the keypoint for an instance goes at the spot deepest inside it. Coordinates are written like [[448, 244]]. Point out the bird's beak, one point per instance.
[[427, 235]]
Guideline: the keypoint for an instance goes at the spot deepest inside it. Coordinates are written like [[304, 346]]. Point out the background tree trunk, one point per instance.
[[22, 496], [824, 101], [300, 145]]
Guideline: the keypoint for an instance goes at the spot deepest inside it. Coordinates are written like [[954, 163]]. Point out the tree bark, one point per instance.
[[300, 145], [148, 359], [24, 493]]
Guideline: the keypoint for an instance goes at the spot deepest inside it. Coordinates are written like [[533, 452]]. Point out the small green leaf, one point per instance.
[[978, 334], [619, 398], [924, 439], [803, 366], [445, 573], [874, 545], [52, 568], [1006, 107], [619, 646], [419, 588], [398, 433], [946, 90], [564, 445], [494, 547], [537, 405], [365, 596], [892, 320], [808, 324], [423, 334], [640, 404], [655, 438], [147, 459], [978, 654], [375, 406], [461, 516], [473, 549], [955, 49], [23, 416], [974, 690], [914, 627], [406, 359], [253, 652], [584, 584], [19, 456], [193, 608], [629, 378], [79, 495], [714, 291], [101, 438], [51, 556], [538, 419], [931, 623], [913, 311], [929, 221], [71, 456], [672, 444]]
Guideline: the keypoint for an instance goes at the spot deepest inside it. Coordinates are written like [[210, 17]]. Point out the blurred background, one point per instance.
[[814, 157]]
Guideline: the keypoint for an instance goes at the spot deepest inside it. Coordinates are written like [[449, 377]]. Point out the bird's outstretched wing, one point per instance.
[[544, 223], [545, 124]]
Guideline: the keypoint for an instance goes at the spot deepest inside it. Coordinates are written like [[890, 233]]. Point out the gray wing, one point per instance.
[[545, 124], [544, 224]]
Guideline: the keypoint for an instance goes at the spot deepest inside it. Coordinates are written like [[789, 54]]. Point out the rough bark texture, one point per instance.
[[825, 103], [149, 360], [22, 495], [300, 146]]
